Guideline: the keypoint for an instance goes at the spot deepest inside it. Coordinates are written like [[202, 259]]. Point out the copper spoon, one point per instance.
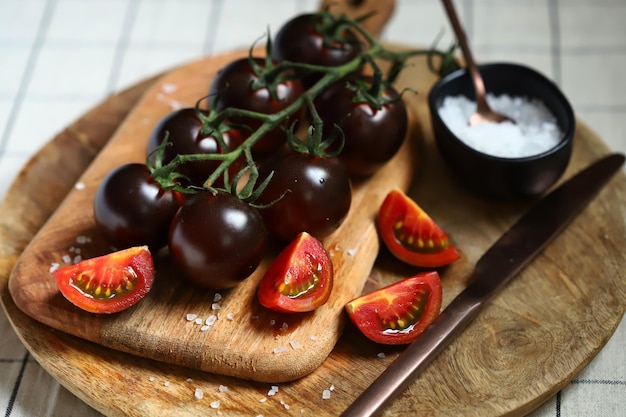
[[483, 112]]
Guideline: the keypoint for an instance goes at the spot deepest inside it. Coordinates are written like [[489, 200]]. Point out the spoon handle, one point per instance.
[[479, 86]]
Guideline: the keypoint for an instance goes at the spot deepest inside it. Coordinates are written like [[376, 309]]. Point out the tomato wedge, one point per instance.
[[411, 235], [108, 283], [300, 279], [399, 313]]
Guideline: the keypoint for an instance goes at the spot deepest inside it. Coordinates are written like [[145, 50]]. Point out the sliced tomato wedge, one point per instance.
[[300, 279], [108, 283], [411, 235], [399, 313]]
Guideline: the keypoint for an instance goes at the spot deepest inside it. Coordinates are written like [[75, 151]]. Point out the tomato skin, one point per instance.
[[231, 87], [372, 136], [183, 128], [217, 240], [318, 200], [411, 235], [132, 269], [300, 279], [399, 313], [131, 209], [298, 40]]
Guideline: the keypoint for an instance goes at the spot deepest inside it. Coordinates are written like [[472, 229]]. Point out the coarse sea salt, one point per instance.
[[535, 129]]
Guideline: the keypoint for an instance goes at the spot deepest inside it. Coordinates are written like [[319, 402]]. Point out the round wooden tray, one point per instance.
[[532, 339]]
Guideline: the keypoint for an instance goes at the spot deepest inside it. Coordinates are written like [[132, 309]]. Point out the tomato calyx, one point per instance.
[[317, 143], [337, 30]]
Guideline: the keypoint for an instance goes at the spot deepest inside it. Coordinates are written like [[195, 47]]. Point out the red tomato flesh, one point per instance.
[[411, 235], [108, 283], [399, 313], [300, 279]]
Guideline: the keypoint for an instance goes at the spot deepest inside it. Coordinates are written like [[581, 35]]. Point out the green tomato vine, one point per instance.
[[217, 122]]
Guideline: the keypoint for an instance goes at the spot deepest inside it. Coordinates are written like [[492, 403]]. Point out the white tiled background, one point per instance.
[[60, 57]]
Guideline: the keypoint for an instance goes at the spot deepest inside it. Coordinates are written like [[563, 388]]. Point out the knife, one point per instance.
[[502, 261]]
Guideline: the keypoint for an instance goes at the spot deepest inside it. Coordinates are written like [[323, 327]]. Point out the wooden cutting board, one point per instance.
[[246, 340], [528, 343]]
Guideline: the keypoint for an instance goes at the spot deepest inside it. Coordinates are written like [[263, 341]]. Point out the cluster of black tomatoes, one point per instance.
[[219, 181]]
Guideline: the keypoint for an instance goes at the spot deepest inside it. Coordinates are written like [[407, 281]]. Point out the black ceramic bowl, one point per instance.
[[502, 177]]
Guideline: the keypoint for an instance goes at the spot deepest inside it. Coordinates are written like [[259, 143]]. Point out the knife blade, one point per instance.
[[502, 261]]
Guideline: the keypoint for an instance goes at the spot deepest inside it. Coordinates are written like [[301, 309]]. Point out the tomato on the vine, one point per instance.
[[234, 86], [183, 129], [399, 313], [300, 279], [373, 131], [411, 235], [216, 239], [316, 195], [131, 208], [315, 39], [108, 283]]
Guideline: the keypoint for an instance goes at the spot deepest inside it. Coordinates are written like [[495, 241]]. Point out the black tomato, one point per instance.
[[131, 209], [372, 135], [217, 240], [300, 40], [318, 195], [185, 136], [232, 87]]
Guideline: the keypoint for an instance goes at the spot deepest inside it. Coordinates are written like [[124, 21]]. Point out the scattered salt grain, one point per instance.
[[313, 338], [280, 349], [535, 129], [294, 344], [67, 259], [217, 297], [189, 380], [79, 185], [230, 316], [169, 88], [272, 322], [273, 390], [198, 320], [210, 321], [198, 394], [81, 240], [223, 388], [54, 266], [326, 394], [284, 327], [77, 259], [262, 400], [151, 379], [166, 383], [351, 252], [216, 404], [381, 355], [215, 306], [284, 404], [332, 388], [191, 317], [204, 328]]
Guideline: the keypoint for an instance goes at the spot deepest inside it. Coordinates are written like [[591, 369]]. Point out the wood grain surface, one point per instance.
[[528, 343]]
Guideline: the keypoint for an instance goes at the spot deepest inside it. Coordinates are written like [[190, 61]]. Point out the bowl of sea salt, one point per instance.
[[504, 160]]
